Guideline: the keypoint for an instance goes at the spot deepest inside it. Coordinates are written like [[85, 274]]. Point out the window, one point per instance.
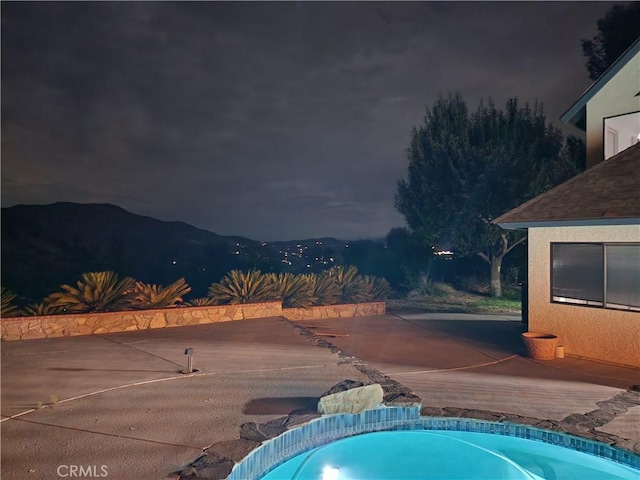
[[620, 133], [623, 276], [596, 274], [578, 273]]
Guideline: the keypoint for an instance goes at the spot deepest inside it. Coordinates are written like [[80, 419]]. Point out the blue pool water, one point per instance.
[[405, 455]]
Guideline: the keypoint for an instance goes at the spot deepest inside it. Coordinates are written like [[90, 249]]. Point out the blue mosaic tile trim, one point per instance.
[[318, 432], [559, 439], [329, 428]]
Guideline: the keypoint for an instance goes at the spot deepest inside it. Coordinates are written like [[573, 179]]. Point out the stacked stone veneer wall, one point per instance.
[[24, 328], [336, 311]]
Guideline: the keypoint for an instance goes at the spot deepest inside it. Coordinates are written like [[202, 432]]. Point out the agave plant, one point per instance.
[[243, 287], [95, 292], [201, 302], [146, 296], [42, 309], [378, 287], [8, 308], [324, 289], [293, 290], [351, 284]]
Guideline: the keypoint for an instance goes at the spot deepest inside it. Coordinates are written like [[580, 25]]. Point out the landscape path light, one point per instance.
[[189, 353]]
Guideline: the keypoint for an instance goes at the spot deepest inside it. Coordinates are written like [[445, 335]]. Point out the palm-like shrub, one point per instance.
[[146, 296], [95, 292], [243, 287], [8, 308], [324, 289], [378, 287], [201, 302], [41, 309], [293, 290], [351, 284]]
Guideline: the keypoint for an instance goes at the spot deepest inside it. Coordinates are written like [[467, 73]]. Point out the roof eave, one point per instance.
[[576, 111], [589, 222]]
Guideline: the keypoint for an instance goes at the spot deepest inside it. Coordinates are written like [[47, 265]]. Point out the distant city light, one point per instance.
[[443, 252]]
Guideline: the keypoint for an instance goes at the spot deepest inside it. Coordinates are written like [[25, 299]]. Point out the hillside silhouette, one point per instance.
[[44, 246]]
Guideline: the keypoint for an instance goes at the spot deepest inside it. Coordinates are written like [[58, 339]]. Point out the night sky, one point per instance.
[[275, 121]]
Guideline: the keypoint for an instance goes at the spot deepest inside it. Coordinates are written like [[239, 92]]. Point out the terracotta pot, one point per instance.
[[540, 346]]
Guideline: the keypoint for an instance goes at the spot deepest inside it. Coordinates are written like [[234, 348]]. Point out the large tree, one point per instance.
[[466, 169], [616, 32]]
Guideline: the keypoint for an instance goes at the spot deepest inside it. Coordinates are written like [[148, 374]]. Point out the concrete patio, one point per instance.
[[120, 401]]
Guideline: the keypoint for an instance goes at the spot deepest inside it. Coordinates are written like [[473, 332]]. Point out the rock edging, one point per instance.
[[580, 425], [220, 458], [395, 394]]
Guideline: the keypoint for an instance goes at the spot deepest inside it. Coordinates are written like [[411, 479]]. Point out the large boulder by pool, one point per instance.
[[350, 396]]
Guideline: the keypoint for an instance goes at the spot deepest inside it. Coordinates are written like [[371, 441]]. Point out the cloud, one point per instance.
[[263, 119]]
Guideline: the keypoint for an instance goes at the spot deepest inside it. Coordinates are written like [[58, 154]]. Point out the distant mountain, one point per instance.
[[44, 246]]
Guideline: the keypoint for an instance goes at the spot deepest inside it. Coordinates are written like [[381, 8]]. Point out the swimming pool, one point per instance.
[[323, 434], [447, 455]]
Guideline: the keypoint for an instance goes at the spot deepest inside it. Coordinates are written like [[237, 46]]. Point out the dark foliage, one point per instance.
[[466, 169], [616, 32]]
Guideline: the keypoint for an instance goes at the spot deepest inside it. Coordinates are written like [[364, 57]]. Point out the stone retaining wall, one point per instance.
[[336, 311], [24, 328]]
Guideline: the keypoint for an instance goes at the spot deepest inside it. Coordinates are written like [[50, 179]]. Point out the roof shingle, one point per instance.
[[609, 190]]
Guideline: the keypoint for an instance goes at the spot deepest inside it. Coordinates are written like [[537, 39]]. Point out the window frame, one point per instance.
[[590, 303]]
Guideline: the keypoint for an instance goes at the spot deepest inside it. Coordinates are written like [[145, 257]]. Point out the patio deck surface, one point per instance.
[[119, 400]]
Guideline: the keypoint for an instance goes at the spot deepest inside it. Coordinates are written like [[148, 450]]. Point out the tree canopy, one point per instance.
[[616, 32], [465, 169]]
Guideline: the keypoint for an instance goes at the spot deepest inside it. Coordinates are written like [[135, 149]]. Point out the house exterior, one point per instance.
[[584, 235], [609, 111]]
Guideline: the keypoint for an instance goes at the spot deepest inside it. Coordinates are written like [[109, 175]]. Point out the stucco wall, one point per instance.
[[24, 328], [601, 334], [617, 97]]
